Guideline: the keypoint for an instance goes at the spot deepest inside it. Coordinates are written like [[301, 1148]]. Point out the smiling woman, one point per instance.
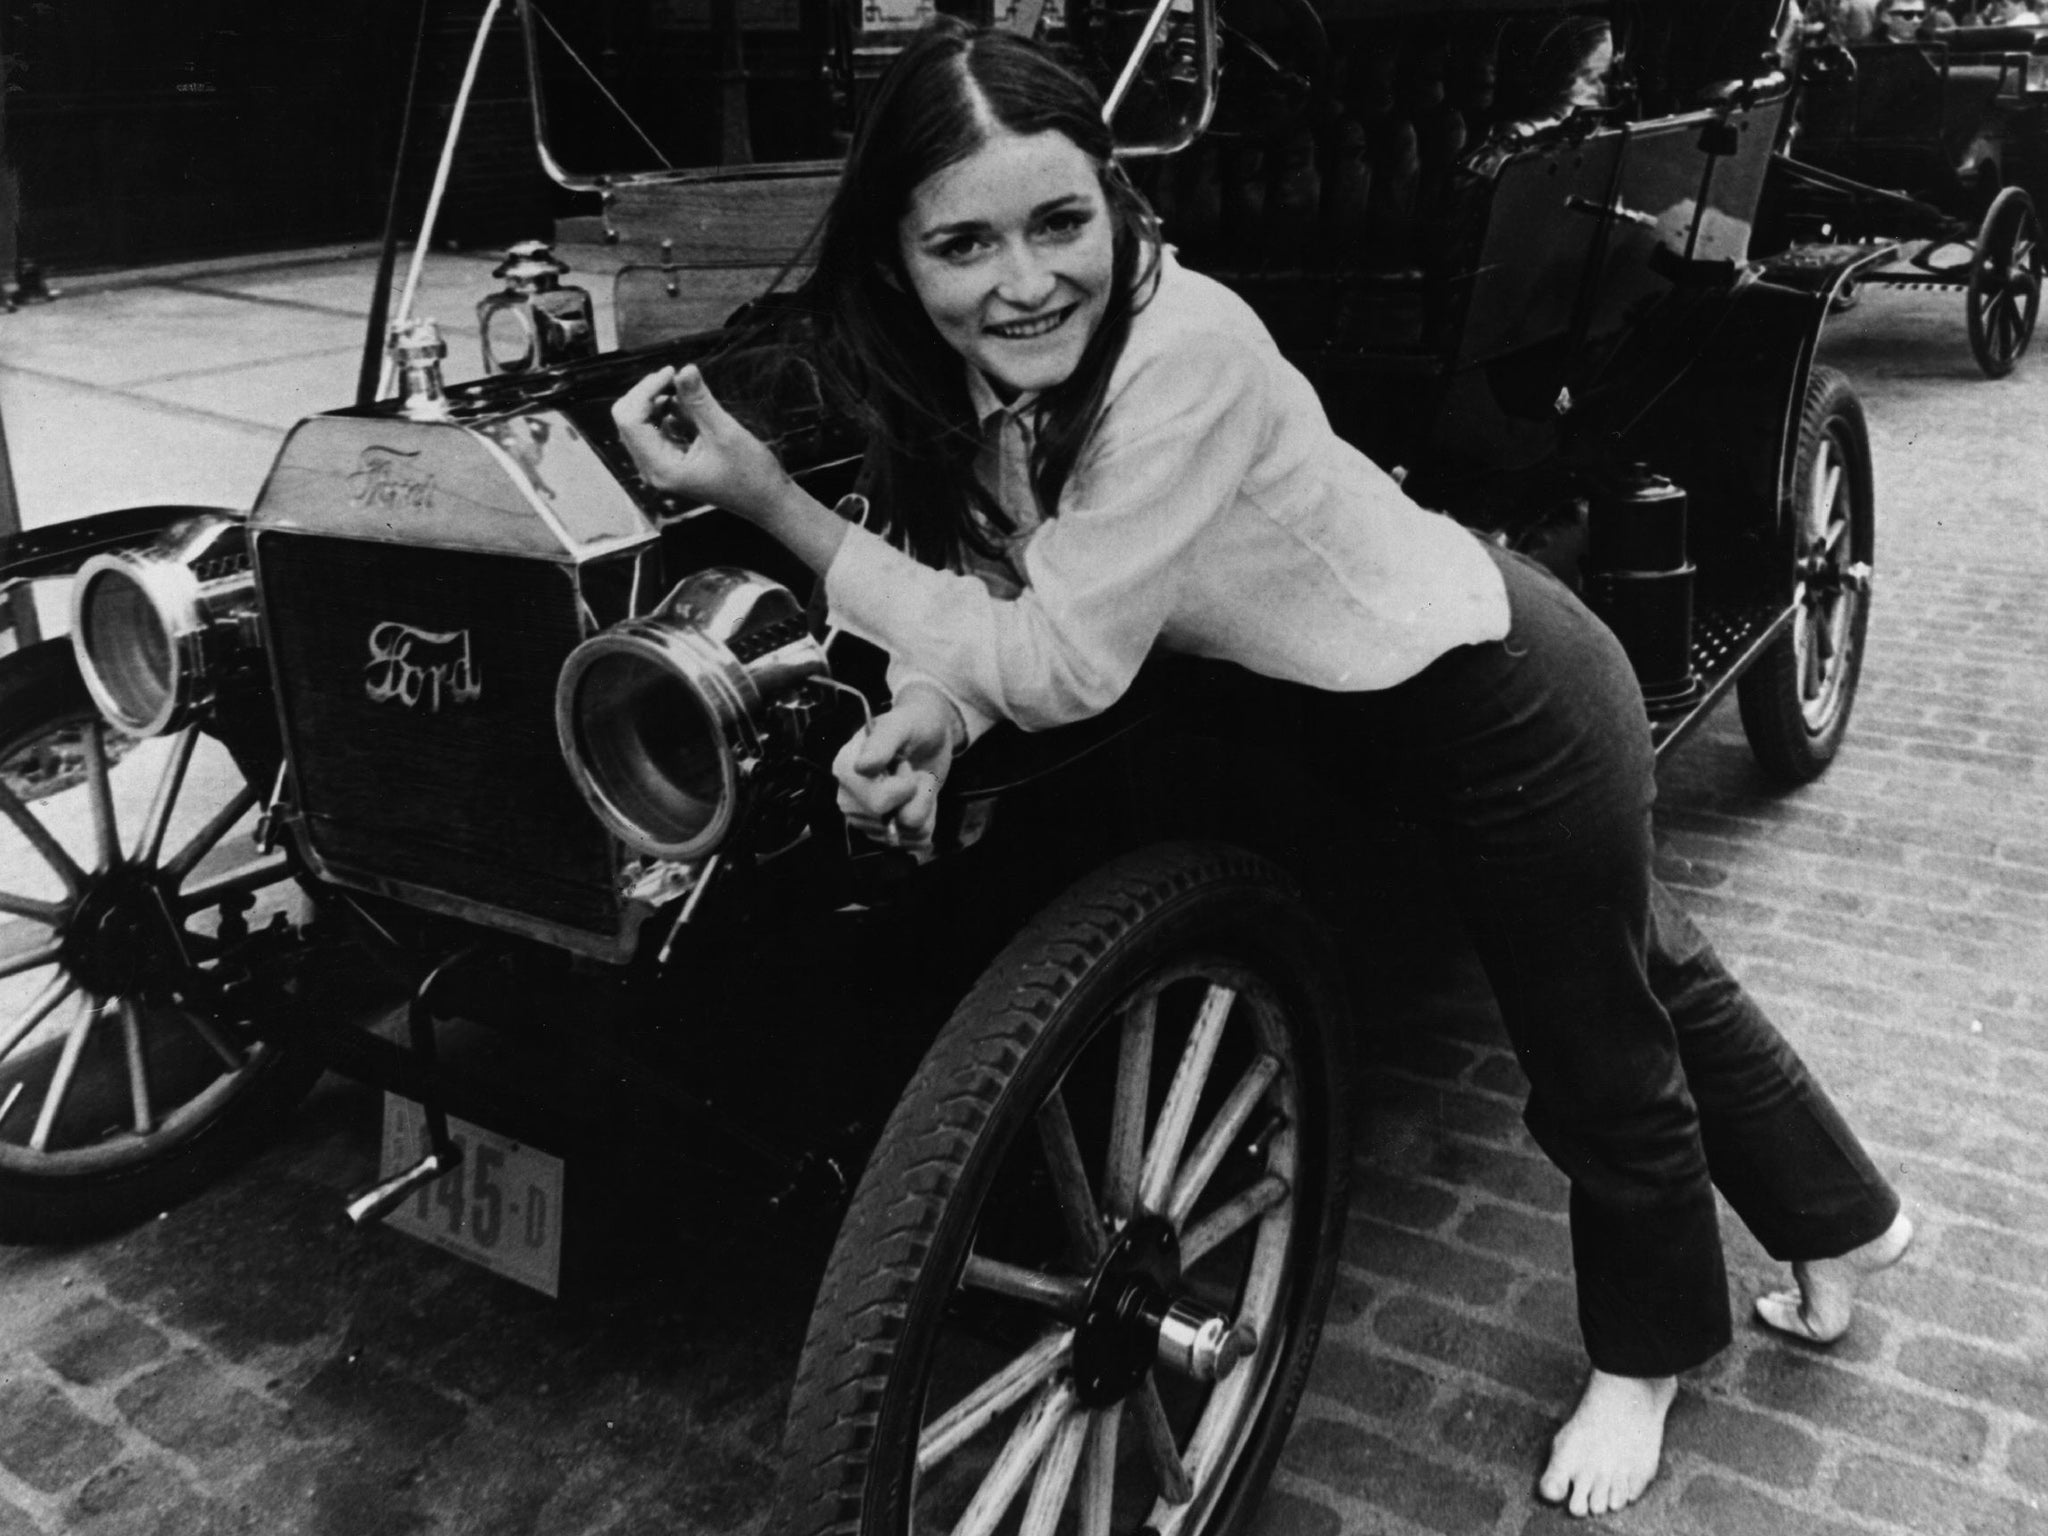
[[1088, 453], [1011, 255]]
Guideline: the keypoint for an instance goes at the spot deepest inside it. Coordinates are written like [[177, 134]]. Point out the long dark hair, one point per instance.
[[1540, 59], [886, 359]]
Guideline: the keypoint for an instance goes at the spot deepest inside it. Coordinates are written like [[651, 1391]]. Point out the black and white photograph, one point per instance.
[[1023, 768]]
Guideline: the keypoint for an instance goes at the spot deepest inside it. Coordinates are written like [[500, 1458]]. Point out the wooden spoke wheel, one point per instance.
[[131, 902], [1796, 699], [1083, 1276], [2005, 283]]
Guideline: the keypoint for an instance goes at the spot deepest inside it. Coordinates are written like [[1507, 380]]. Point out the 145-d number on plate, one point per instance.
[[500, 1207]]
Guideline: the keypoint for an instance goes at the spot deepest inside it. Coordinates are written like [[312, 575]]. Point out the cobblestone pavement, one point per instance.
[[243, 1364]]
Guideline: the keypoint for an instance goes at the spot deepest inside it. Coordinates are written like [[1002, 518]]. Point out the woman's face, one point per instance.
[[1011, 253]]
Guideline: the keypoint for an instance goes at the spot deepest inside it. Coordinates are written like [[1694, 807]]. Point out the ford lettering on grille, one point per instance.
[[384, 478], [415, 666]]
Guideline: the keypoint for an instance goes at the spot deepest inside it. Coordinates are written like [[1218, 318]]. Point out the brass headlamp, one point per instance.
[[160, 632], [665, 719]]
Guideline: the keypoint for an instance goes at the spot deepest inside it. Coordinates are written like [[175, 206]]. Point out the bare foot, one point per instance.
[[1819, 1310], [1608, 1450]]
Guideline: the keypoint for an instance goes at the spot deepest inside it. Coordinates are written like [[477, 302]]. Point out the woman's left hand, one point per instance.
[[685, 443], [889, 775]]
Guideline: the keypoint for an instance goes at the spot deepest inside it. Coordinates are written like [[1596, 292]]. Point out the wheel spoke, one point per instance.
[[267, 871], [1063, 1295], [149, 842], [30, 959], [1028, 1442], [981, 1407], [138, 1068], [99, 784], [219, 1044], [39, 838], [1223, 1130], [1209, 1442], [1230, 1218], [1826, 494], [1098, 1475], [13, 1098], [1177, 1116], [1157, 1435], [1070, 1180], [60, 1081], [1127, 1121], [1824, 634], [60, 987], [1055, 1478], [48, 913], [215, 829]]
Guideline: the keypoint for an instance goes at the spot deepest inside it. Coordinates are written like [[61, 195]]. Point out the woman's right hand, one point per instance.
[[712, 458]]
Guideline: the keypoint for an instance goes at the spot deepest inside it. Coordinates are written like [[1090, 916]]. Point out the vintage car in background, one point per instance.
[[460, 705], [1939, 147]]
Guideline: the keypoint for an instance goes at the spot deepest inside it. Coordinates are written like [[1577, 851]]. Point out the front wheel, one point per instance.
[[133, 915], [1084, 1274], [1796, 699], [2004, 295]]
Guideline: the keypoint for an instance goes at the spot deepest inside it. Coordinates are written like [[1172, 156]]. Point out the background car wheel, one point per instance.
[[132, 908], [2005, 283], [1084, 1273], [1796, 699]]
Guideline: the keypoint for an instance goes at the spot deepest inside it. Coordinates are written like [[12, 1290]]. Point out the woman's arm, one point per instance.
[[723, 463], [890, 775], [1182, 433]]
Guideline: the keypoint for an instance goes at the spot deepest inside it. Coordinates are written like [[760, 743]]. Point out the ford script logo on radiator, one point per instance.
[[385, 478], [416, 666]]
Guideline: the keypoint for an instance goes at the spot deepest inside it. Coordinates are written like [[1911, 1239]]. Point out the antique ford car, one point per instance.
[[461, 706], [1937, 149]]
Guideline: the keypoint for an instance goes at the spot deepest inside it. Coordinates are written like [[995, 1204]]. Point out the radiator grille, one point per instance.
[[418, 694]]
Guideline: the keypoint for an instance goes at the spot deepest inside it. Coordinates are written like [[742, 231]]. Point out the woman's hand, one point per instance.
[[889, 775], [686, 444]]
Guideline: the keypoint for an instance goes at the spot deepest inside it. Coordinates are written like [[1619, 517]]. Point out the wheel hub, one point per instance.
[[1134, 1318], [1825, 578], [119, 936]]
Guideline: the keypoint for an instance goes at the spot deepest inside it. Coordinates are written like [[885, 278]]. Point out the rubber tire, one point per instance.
[[2012, 206], [907, 1231], [40, 688], [1789, 749]]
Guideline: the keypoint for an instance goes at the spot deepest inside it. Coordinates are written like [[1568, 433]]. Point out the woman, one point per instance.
[[1090, 451], [1552, 68]]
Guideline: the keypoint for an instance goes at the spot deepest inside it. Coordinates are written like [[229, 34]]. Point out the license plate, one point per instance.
[[501, 1207]]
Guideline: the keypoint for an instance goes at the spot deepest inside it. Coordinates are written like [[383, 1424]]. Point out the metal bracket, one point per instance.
[[443, 1156]]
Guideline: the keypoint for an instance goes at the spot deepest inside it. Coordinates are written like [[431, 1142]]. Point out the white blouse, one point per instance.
[[1213, 512]]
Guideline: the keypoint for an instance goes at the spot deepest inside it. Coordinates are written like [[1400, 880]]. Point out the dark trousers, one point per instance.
[[1653, 1077]]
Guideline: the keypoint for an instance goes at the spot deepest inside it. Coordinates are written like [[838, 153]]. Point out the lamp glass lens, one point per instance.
[[651, 748], [128, 647], [508, 337]]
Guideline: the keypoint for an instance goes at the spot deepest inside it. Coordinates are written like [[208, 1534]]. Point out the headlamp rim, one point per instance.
[[171, 594], [684, 653]]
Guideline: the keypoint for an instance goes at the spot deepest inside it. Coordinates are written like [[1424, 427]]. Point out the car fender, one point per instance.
[[59, 549], [1726, 428]]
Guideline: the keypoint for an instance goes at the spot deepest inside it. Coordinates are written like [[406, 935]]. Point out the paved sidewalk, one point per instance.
[[177, 386], [243, 1365]]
